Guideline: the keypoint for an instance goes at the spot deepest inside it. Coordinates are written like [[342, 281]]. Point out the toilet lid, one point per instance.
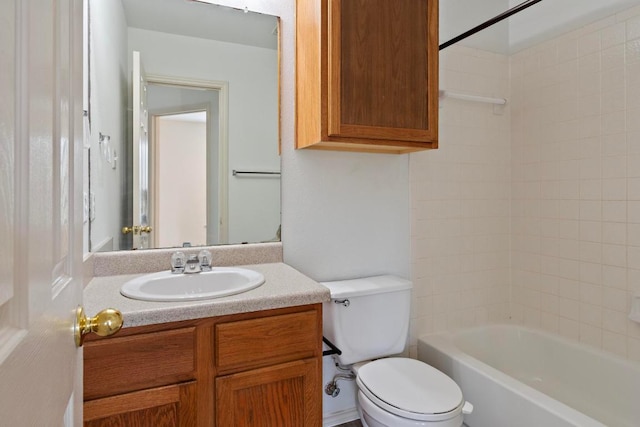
[[410, 388]]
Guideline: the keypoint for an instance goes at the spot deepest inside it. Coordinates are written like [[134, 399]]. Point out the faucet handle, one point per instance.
[[178, 261], [205, 260]]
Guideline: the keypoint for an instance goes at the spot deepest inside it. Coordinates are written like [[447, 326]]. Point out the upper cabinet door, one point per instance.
[[367, 75]]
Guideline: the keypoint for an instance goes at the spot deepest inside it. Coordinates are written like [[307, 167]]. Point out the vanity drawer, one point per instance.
[[267, 340], [123, 364]]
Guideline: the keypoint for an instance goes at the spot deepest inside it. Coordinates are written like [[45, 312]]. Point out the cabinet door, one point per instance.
[[285, 395], [383, 61], [170, 406], [254, 343], [123, 364]]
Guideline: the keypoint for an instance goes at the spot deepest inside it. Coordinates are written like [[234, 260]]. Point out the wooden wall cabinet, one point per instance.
[[367, 75], [250, 369]]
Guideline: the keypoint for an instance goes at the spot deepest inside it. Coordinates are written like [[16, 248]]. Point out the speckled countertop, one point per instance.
[[284, 287]]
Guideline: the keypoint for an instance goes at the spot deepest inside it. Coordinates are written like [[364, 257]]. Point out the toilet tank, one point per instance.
[[367, 318]]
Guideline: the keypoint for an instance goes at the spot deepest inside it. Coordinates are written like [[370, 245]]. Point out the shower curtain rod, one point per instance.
[[490, 22]]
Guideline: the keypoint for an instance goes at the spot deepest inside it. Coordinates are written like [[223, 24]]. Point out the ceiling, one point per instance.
[[203, 20], [544, 20]]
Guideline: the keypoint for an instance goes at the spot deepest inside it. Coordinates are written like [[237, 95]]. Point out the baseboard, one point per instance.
[[340, 417]]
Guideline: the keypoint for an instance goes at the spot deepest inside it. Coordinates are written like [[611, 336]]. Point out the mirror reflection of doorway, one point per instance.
[[187, 161], [180, 145]]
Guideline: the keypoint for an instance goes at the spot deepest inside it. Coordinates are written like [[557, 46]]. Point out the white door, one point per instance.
[[140, 228], [40, 211]]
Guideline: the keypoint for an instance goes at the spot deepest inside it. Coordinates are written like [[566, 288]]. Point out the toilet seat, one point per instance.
[[410, 389]]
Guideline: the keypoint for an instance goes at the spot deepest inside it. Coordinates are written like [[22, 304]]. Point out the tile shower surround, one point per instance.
[[531, 212]]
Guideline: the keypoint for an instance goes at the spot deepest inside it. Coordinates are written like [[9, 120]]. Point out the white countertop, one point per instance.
[[284, 287]]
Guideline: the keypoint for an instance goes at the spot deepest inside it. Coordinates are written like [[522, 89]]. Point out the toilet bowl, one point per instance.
[[406, 392], [368, 319]]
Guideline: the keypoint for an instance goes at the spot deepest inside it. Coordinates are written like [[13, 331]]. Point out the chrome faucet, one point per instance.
[[193, 264]]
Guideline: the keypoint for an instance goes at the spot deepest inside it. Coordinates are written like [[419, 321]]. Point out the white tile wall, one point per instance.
[[575, 205], [531, 212], [460, 199]]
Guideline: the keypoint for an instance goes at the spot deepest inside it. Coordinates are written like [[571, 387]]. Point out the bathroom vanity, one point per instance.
[[248, 359]]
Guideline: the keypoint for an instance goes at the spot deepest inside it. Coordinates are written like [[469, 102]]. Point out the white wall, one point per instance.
[[346, 215], [109, 65], [253, 117]]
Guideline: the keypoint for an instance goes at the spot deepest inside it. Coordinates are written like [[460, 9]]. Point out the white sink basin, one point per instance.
[[165, 286]]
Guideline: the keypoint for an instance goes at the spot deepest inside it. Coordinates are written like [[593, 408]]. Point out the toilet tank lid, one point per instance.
[[366, 286]]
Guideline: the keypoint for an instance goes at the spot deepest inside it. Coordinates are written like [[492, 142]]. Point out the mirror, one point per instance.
[[182, 125]]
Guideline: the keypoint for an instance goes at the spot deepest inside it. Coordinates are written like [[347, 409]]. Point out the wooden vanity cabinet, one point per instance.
[[280, 395], [367, 75], [273, 371], [145, 376], [260, 368]]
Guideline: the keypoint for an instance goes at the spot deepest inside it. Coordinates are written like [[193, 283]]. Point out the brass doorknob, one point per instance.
[[145, 229], [106, 322], [135, 230]]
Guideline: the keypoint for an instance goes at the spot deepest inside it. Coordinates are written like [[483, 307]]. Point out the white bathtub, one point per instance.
[[520, 377]]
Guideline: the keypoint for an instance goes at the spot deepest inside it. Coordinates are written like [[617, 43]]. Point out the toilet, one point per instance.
[[368, 320]]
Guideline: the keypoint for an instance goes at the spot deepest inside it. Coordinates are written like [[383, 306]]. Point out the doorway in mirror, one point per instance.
[[180, 171]]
